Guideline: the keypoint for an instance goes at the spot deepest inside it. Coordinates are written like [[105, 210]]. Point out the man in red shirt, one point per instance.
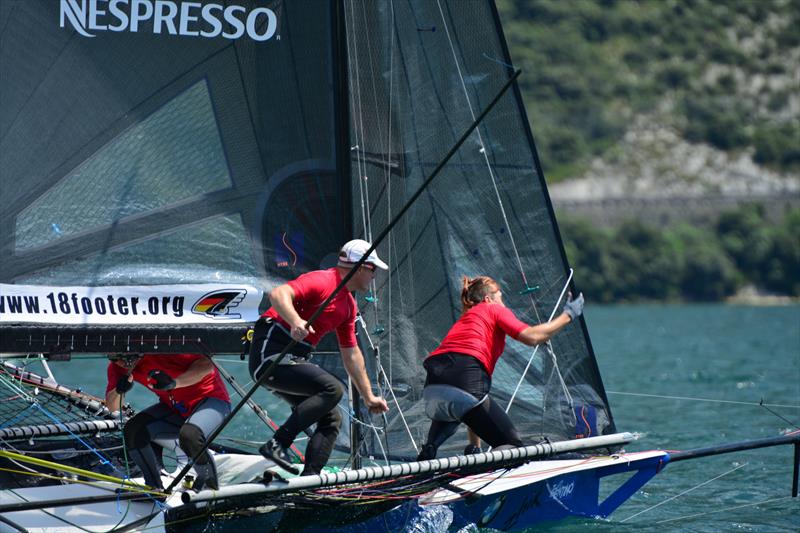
[[193, 401], [460, 369], [313, 393]]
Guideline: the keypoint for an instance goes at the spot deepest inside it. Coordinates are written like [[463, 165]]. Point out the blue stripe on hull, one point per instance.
[[573, 494]]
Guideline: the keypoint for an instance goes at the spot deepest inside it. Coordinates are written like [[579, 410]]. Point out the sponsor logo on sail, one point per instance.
[[188, 19], [220, 304]]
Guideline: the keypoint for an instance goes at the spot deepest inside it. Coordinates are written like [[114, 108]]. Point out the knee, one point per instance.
[[191, 440], [135, 433], [331, 421], [333, 391]]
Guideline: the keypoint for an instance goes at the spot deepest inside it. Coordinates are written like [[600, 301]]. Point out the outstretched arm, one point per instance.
[[540, 333], [353, 361], [533, 335]]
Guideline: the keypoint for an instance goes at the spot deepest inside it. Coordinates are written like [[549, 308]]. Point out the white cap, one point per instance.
[[354, 250]]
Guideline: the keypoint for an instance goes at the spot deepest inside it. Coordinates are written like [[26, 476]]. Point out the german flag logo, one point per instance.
[[219, 304]]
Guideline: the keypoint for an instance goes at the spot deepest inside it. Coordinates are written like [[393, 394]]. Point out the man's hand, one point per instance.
[[300, 332], [162, 380], [124, 384], [376, 405]]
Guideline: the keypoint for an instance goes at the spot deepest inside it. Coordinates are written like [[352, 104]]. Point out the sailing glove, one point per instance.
[[123, 385], [574, 308], [162, 380]]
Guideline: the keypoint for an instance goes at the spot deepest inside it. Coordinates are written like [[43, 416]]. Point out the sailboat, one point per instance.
[[162, 164]]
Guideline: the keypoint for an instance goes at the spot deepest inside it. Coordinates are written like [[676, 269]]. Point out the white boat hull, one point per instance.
[[89, 516]]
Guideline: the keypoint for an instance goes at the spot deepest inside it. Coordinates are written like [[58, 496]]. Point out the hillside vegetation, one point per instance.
[[725, 73], [637, 261]]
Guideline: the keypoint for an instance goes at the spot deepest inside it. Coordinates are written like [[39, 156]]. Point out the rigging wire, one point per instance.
[[549, 350], [358, 126], [388, 172], [755, 404], [760, 404], [485, 154], [361, 321], [363, 324], [772, 500], [323, 305], [684, 492], [514, 247]]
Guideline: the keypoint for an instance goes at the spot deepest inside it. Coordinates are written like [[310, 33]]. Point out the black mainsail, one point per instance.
[[242, 142], [420, 72]]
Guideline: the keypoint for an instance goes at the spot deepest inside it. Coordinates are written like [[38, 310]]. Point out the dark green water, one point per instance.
[[712, 352]]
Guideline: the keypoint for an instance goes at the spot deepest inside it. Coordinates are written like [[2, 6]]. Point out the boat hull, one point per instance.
[[89, 516], [507, 500]]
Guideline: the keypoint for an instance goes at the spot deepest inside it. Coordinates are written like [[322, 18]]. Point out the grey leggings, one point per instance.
[[161, 425]]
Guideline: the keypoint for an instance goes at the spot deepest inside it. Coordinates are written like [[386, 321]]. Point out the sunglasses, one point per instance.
[[368, 266]]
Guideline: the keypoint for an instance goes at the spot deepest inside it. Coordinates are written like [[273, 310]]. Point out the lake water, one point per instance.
[[715, 363], [717, 353]]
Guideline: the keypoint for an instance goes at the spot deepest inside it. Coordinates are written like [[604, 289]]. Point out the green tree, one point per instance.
[[781, 267], [644, 262], [587, 251], [707, 273], [745, 235]]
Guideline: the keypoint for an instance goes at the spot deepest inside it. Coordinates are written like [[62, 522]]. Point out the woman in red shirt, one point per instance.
[[465, 360]]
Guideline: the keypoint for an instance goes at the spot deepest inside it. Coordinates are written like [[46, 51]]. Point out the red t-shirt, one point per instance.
[[182, 400], [310, 290], [481, 332]]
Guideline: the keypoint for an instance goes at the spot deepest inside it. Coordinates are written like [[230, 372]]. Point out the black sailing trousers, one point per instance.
[[488, 420], [312, 392]]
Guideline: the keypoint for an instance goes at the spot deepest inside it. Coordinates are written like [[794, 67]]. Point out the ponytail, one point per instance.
[[474, 290]]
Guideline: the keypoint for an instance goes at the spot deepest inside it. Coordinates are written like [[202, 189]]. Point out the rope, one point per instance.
[[685, 492], [485, 154], [312, 319], [550, 350], [363, 324], [381, 370], [703, 399], [363, 180], [402, 417], [358, 126], [725, 510]]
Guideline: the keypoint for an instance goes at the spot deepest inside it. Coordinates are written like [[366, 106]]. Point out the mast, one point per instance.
[[342, 140]]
